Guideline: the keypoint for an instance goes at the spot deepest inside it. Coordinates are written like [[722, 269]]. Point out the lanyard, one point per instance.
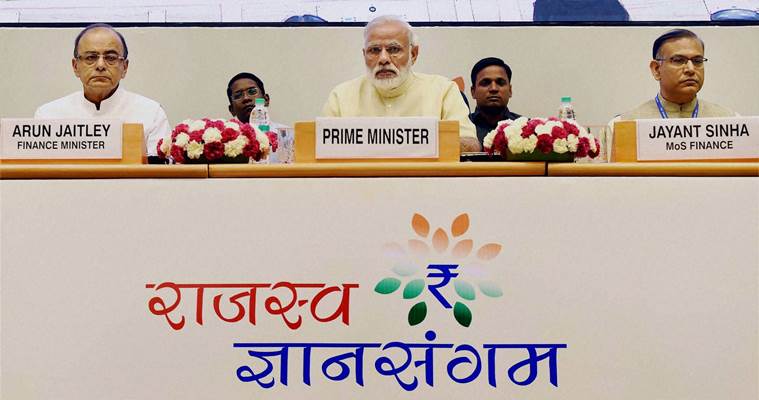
[[664, 114]]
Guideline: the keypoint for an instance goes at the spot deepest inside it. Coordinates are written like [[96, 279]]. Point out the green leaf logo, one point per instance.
[[387, 286], [417, 313], [490, 289], [462, 314], [464, 289], [413, 289]]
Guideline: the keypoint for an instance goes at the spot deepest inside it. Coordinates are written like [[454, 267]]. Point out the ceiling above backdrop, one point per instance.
[[351, 11]]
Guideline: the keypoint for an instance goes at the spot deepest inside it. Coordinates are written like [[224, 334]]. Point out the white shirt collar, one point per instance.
[[107, 104]]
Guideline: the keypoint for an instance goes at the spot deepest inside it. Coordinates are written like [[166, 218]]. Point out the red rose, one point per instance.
[[545, 143], [160, 153], [272, 140], [553, 119], [529, 129], [500, 143], [178, 154], [558, 133], [594, 154], [196, 136], [583, 146], [213, 151], [228, 134], [570, 128], [252, 150]]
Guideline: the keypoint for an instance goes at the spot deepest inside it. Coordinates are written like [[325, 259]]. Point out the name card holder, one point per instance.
[[305, 146], [625, 144], [133, 151]]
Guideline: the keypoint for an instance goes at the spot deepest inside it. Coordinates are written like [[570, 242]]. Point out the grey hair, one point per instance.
[[413, 40]]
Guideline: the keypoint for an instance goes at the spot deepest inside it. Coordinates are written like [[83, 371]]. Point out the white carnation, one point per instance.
[[530, 144], [488, 140], [513, 132], [212, 135], [194, 150], [572, 142], [181, 140], [234, 148], [196, 125], [521, 122], [515, 146], [544, 129], [230, 124], [560, 146]]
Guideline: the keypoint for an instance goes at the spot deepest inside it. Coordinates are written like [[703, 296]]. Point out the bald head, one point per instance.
[[100, 27]]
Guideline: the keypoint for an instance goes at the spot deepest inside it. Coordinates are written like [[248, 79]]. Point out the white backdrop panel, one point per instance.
[[651, 282]]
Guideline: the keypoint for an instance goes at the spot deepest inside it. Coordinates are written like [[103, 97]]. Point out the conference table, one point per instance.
[[501, 279]]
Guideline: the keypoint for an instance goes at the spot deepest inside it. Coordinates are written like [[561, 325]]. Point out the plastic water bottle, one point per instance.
[[566, 111], [259, 117]]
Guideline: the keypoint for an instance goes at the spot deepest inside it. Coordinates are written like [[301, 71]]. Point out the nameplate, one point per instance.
[[56, 139], [698, 138], [376, 137]]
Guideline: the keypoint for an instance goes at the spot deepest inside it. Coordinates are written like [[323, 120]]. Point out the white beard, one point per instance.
[[389, 83]]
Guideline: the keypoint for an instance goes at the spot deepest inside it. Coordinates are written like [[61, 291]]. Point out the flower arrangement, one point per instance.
[[212, 141], [538, 135]]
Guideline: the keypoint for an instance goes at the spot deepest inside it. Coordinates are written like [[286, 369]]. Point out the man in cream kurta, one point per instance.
[[101, 62], [420, 95], [678, 65], [391, 88]]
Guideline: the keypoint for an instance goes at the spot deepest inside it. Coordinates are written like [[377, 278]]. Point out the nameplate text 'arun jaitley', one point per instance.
[[50, 139]]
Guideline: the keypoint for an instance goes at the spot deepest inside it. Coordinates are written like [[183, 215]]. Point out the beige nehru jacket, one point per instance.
[[421, 95], [649, 110]]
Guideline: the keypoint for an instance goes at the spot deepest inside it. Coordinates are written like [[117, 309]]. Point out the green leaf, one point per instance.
[[387, 286], [462, 314], [490, 289], [405, 270], [464, 289], [413, 288], [417, 313]]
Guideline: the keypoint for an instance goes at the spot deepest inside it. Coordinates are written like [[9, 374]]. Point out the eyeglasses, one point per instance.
[[251, 92], [392, 50], [681, 61], [92, 58]]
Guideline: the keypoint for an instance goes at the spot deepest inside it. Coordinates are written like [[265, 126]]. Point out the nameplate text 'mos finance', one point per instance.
[[698, 138], [50, 139], [376, 137]]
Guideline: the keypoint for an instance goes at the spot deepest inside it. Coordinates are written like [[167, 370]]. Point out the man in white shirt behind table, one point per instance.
[[100, 62], [391, 88]]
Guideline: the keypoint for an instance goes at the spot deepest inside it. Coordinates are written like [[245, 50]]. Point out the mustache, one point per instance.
[[377, 69]]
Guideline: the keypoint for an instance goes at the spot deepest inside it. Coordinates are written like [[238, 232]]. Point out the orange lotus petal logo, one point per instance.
[[429, 249]]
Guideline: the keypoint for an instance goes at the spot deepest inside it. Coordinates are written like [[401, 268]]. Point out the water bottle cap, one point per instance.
[[566, 99], [260, 101]]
